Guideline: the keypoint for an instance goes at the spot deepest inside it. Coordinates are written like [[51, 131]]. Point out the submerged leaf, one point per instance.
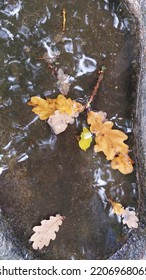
[[86, 139], [96, 120], [59, 121], [46, 232], [117, 207], [43, 108], [130, 218], [51, 56], [123, 163], [110, 141], [69, 106], [63, 82]]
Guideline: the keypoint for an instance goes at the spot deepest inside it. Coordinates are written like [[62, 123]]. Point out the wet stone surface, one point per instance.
[[43, 174]]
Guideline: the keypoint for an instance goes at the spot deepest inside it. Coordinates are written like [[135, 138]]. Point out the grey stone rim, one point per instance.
[[135, 247]]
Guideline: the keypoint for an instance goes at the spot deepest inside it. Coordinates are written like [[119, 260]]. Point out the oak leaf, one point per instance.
[[110, 141], [51, 56], [46, 232], [69, 106], [123, 163], [86, 139], [96, 119], [59, 121], [130, 218], [117, 207], [43, 108], [63, 82]]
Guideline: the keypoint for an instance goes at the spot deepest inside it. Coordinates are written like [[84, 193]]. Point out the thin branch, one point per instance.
[[63, 20], [94, 91]]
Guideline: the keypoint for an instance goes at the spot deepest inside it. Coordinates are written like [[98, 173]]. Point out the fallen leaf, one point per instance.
[[43, 108], [59, 121], [69, 106], [96, 119], [123, 163], [117, 207], [130, 218], [51, 56], [46, 232], [63, 82], [86, 139], [59, 38], [110, 141]]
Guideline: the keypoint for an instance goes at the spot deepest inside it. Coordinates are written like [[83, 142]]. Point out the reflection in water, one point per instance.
[[85, 65], [12, 9], [49, 173]]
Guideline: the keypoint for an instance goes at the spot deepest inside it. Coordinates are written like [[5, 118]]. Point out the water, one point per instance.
[[43, 174]]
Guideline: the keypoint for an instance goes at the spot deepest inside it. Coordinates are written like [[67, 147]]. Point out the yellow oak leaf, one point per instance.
[[69, 106], [123, 163], [110, 141], [117, 207], [43, 108], [86, 139], [96, 121]]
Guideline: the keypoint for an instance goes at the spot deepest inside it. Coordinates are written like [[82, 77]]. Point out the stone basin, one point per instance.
[[20, 199]]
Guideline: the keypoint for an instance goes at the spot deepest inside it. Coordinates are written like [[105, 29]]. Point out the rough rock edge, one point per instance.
[[135, 246]]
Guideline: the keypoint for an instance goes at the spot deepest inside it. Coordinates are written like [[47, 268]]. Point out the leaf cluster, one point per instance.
[[110, 141], [59, 112], [128, 217]]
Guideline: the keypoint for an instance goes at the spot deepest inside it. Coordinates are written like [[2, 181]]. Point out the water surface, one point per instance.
[[43, 174]]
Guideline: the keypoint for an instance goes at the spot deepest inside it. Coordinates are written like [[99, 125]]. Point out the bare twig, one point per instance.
[[63, 20], [93, 93]]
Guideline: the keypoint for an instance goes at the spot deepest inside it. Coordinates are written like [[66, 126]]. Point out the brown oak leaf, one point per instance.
[[110, 141], [46, 232], [96, 119], [123, 163]]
